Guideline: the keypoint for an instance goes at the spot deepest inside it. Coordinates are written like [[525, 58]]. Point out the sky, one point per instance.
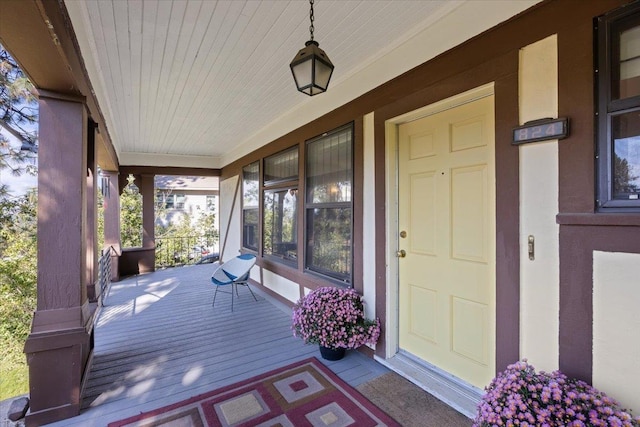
[[18, 185]]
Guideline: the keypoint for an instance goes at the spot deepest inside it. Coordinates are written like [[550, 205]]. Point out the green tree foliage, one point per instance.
[[18, 225], [18, 117], [18, 269], [623, 177], [131, 215], [176, 241], [206, 227]]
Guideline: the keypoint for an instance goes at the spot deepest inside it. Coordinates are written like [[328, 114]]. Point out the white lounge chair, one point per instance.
[[234, 272]]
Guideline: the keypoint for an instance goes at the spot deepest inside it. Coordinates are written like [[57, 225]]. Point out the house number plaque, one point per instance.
[[541, 130]]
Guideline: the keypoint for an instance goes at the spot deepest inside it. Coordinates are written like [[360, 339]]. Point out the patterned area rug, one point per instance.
[[305, 393]]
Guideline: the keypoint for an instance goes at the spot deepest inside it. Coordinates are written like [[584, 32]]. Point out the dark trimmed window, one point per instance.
[[328, 204], [281, 167], [250, 206], [618, 79], [170, 201], [277, 197], [280, 206], [280, 227], [180, 199]]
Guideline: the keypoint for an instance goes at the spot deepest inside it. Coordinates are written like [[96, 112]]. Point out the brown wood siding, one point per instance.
[[165, 170], [577, 243], [581, 230], [507, 224], [493, 57]]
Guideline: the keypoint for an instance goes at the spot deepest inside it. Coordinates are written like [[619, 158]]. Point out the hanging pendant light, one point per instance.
[[311, 67]]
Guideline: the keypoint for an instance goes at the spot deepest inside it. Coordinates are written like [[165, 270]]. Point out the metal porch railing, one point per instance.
[[104, 273]]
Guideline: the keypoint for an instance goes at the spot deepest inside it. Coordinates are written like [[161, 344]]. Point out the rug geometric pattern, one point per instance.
[[305, 393]]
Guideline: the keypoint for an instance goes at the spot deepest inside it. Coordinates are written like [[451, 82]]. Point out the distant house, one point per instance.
[[185, 195]]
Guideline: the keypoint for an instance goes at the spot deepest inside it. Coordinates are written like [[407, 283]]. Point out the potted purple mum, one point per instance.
[[334, 319], [521, 397]]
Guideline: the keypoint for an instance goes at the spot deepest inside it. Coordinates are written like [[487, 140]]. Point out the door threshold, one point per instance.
[[458, 394]]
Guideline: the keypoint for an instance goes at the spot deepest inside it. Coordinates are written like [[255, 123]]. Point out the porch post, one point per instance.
[[59, 344], [147, 190], [148, 214], [111, 204]]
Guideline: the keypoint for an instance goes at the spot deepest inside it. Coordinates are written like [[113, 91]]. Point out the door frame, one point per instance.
[[391, 213]]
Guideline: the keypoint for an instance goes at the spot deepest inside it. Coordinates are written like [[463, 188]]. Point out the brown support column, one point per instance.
[[59, 345], [147, 190], [91, 232], [111, 204]]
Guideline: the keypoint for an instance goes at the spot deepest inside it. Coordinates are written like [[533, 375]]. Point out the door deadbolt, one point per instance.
[[532, 247], [401, 253], [403, 234]]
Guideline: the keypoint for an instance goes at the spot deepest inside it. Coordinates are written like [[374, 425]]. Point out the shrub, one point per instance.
[[334, 318], [521, 397]]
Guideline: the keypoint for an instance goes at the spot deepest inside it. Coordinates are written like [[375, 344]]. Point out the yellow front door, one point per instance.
[[446, 224]]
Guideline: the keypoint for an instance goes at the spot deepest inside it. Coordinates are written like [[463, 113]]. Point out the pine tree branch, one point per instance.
[[13, 131]]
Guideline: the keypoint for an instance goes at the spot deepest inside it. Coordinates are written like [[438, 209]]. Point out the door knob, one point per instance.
[[401, 253]]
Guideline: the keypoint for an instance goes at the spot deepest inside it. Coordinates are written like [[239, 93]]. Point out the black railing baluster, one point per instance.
[[177, 251]]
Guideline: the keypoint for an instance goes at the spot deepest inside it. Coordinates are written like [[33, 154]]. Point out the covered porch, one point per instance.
[[159, 341], [203, 88]]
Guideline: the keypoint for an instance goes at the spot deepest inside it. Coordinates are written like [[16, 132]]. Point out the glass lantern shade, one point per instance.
[[312, 69]]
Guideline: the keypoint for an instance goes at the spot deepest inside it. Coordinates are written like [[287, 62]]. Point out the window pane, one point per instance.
[[329, 168], [180, 198], [250, 185], [630, 62], [281, 223], [250, 229], [282, 166], [329, 242], [626, 156]]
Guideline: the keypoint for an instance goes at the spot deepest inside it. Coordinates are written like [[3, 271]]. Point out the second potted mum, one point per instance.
[[334, 319]]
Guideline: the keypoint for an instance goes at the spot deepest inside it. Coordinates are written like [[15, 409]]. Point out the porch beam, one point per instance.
[[40, 37], [167, 170]]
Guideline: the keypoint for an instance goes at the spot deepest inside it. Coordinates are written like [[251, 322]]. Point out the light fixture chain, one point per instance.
[[311, 18]]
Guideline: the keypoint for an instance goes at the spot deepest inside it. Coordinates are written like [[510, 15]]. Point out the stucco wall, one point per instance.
[[280, 285], [230, 216], [369, 219], [539, 278], [616, 322]]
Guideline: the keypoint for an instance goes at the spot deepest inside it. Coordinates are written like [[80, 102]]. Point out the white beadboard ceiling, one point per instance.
[[197, 82]]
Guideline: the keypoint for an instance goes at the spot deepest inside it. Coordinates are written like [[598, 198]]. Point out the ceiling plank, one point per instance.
[[201, 78]]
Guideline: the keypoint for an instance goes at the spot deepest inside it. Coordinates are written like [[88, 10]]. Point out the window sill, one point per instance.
[[599, 219], [303, 278]]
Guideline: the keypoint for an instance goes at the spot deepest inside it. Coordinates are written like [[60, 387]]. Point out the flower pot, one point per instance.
[[328, 353]]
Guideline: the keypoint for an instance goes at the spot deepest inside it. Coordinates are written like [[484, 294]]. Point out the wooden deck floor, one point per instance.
[[159, 341]]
